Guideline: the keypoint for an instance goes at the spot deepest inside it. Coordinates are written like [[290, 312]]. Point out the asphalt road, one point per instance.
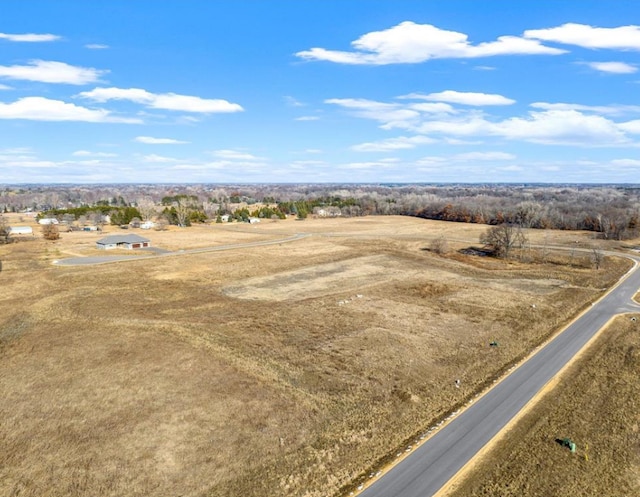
[[432, 464]]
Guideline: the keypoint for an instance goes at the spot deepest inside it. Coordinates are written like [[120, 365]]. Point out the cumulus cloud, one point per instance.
[[96, 46], [464, 98], [613, 67], [46, 71], [411, 43], [44, 109], [149, 140], [166, 101], [586, 36], [29, 37]]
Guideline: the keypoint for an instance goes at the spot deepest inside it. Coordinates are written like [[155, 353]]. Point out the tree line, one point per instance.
[[612, 211]]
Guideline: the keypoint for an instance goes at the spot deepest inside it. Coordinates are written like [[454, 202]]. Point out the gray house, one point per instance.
[[123, 241]]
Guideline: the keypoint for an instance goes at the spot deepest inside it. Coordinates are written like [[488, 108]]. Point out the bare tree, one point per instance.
[[182, 211], [597, 258], [503, 238], [147, 209]]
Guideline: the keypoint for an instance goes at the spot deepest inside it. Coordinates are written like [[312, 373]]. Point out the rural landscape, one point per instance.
[[321, 248], [298, 355]]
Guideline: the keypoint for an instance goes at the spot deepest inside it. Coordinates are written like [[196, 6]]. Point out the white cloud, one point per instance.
[[464, 98], [393, 144], [410, 43], [96, 46], [631, 126], [307, 118], [390, 114], [149, 140], [567, 127], [167, 101], [5, 87], [158, 158], [484, 156], [29, 37], [626, 162], [600, 109], [44, 109], [583, 35], [86, 153], [613, 67], [235, 155], [46, 71], [292, 101]]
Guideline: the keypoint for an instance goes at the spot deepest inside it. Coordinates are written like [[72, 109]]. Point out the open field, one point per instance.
[[278, 370], [596, 405]]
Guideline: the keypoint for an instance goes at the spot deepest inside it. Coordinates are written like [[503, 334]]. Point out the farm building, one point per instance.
[[21, 230], [123, 241], [48, 220]]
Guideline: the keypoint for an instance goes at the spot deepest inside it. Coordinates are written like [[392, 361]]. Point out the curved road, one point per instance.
[[431, 465]]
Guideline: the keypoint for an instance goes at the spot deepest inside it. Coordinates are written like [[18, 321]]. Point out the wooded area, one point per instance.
[[610, 210]]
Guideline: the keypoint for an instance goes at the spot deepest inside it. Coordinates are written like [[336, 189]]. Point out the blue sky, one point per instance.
[[293, 91]]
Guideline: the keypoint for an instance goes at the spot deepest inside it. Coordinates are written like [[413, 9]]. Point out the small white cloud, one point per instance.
[[484, 156], [626, 162], [600, 109], [293, 102], [149, 140], [96, 46], [307, 118], [86, 153], [158, 158], [613, 67], [411, 43], [464, 98], [235, 155], [29, 37], [167, 101], [5, 87], [392, 144], [44, 109], [391, 115], [46, 71], [586, 36]]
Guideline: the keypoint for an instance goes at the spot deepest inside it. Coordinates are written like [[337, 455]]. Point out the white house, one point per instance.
[[129, 242], [147, 225]]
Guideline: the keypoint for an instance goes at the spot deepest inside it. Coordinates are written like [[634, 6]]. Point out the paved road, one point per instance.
[[439, 458], [104, 259]]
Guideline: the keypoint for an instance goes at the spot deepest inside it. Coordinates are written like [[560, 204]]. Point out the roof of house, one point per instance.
[[122, 239]]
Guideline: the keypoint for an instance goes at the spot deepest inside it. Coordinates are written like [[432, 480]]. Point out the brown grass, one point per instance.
[[278, 370], [596, 405]]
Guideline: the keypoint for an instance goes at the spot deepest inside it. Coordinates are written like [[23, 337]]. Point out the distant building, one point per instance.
[[253, 220], [21, 230], [48, 220], [147, 225], [129, 242]]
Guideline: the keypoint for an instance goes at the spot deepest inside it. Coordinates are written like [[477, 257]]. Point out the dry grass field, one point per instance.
[[596, 405], [288, 369]]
